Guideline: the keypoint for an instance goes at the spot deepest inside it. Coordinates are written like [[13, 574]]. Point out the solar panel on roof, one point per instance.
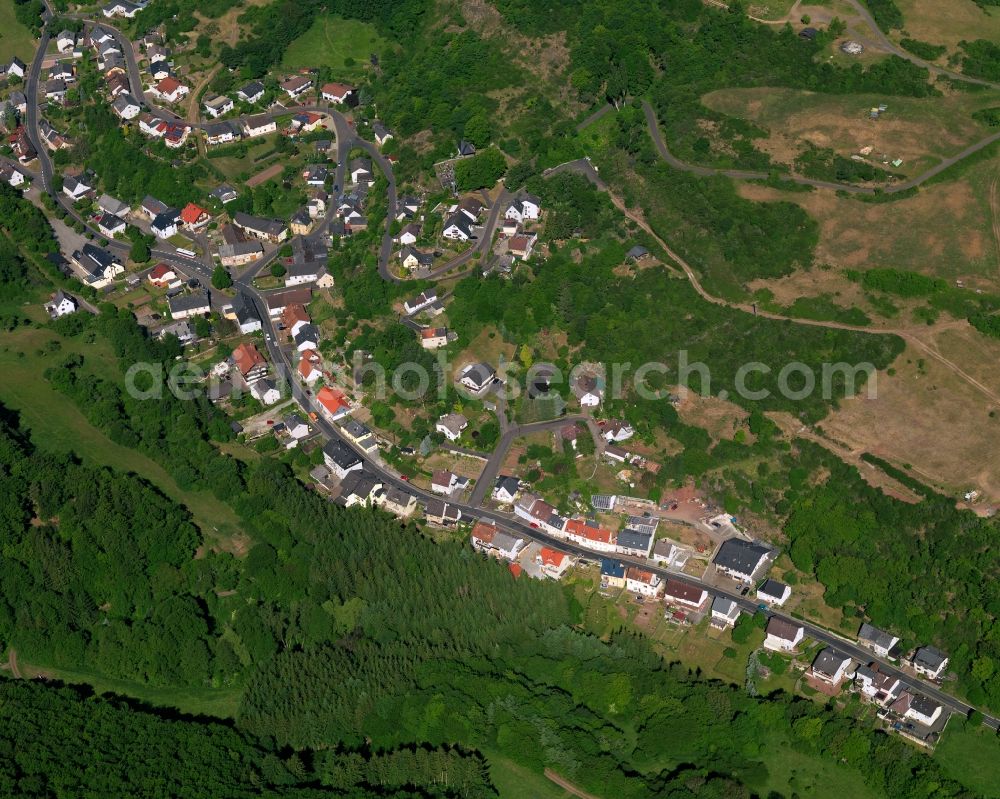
[[645, 524], [603, 501]]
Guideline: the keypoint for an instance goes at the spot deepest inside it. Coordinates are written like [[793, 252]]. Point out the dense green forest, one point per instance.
[[136, 752]]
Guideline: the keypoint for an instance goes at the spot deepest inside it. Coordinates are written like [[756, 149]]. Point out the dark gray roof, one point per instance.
[[480, 374], [188, 302], [773, 588], [508, 483], [638, 251], [307, 332], [341, 454], [828, 661], [723, 605], [924, 705], [461, 221], [929, 657], [358, 484], [221, 128], [253, 88], [244, 309], [740, 556], [165, 219], [270, 227], [96, 258], [305, 268], [634, 539], [876, 636]]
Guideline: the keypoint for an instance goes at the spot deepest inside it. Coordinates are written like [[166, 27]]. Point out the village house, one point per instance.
[[99, 265], [300, 222], [224, 193], [539, 514], [260, 125], [112, 205], [457, 227], [725, 612], [151, 207], [359, 488], [742, 560], [615, 431], [126, 106], [244, 311], [293, 317], [110, 225], [381, 132], [240, 252], [338, 93], [782, 635], [297, 86], [830, 666], [413, 258], [929, 662], [432, 338], [308, 367], [184, 306], [272, 230], [333, 403], [421, 301], [194, 216], [875, 684], [440, 513], [590, 534], [361, 170], [642, 582], [451, 426], [300, 272], [446, 482], [77, 187], [277, 301], [774, 593], [396, 501], [489, 539], [170, 90], [477, 377], [11, 175], [524, 209], [249, 362], [164, 225], [879, 641], [664, 551], [612, 573], [163, 276], [65, 41], [553, 563], [21, 145], [506, 489], [688, 596], [221, 133], [55, 91], [265, 391], [251, 93], [296, 426], [61, 304], [216, 105], [340, 458], [634, 542], [923, 710], [160, 69], [408, 234], [306, 337]]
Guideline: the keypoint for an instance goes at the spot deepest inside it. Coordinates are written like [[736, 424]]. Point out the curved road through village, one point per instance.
[[202, 268]]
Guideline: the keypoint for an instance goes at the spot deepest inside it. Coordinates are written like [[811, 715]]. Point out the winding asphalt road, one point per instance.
[[281, 359]]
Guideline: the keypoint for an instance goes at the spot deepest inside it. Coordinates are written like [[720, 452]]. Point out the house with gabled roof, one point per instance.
[[774, 593], [340, 458], [830, 666], [250, 363], [296, 86], [308, 367], [879, 641], [782, 635], [692, 597], [553, 563], [929, 662], [333, 403], [643, 582], [338, 93], [742, 560], [725, 612]]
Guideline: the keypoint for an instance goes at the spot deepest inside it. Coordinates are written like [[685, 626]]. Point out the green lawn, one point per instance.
[[216, 702], [237, 169], [516, 782], [971, 756], [56, 424], [15, 39], [344, 45], [793, 773]]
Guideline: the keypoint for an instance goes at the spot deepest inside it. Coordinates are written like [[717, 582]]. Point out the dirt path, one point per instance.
[[995, 215], [566, 785], [265, 175], [192, 106], [12, 663]]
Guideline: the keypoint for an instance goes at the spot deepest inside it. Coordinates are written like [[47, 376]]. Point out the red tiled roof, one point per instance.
[[552, 557], [639, 575], [581, 528], [295, 312], [168, 86], [192, 213], [338, 89], [515, 569], [160, 271], [306, 366], [484, 532], [331, 399], [246, 357]]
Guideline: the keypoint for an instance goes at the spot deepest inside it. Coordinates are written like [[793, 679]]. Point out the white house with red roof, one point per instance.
[[170, 90], [333, 402], [642, 582], [589, 534], [194, 216], [336, 92], [163, 276], [553, 563], [308, 367]]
